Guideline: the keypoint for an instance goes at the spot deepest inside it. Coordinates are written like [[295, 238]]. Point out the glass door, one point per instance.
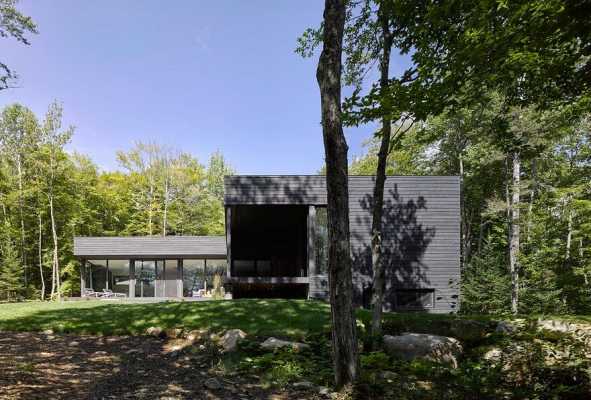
[[145, 278]]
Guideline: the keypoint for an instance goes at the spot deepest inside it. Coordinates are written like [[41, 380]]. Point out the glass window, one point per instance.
[[193, 276], [119, 276], [415, 298], [96, 275], [145, 276], [321, 241], [170, 278], [263, 268], [215, 267], [244, 268]]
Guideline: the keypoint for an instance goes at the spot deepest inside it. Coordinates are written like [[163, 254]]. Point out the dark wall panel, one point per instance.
[[421, 229]]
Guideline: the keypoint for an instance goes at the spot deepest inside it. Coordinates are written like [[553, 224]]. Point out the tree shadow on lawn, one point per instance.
[[289, 318]]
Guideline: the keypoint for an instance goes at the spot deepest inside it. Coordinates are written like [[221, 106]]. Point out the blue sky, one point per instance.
[[199, 76]]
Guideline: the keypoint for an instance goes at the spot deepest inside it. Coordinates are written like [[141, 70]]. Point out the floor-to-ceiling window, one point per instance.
[[119, 276], [215, 267], [193, 276], [96, 275], [170, 278], [145, 277]]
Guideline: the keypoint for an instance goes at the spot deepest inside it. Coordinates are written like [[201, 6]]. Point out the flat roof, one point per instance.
[[150, 246]]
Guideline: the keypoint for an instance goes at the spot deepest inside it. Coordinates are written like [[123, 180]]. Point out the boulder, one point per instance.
[[155, 331], [275, 344], [493, 355], [303, 385], [212, 384], [231, 338], [410, 346], [506, 327], [554, 325]]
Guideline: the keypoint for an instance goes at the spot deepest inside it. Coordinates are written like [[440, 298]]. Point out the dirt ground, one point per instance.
[[51, 366]]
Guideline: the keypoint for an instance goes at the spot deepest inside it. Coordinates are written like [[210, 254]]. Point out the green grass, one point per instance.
[[290, 318]]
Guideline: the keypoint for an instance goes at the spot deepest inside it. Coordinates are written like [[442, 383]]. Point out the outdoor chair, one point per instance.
[[91, 293], [108, 293]]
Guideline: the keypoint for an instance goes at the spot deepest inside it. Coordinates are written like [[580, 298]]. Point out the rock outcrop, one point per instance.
[[410, 346]]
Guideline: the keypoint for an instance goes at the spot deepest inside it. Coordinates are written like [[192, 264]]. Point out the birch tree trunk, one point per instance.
[[328, 75], [150, 208], [514, 233], [56, 265], [40, 255], [378, 191], [165, 214], [21, 214], [569, 234]]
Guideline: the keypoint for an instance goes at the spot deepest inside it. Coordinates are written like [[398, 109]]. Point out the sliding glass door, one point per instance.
[[156, 278], [146, 272]]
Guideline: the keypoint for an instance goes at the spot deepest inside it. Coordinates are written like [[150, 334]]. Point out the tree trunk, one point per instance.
[[150, 209], [569, 235], [22, 218], [56, 265], [379, 271], [165, 215], [40, 255], [514, 233], [328, 75]]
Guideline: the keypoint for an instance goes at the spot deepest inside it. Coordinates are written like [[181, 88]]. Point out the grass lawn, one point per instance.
[[293, 318], [289, 318]]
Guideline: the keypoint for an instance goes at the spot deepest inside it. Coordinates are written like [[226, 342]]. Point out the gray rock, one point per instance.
[[155, 331], [506, 328], [324, 391], [303, 385], [48, 332], [212, 384], [556, 325], [410, 346], [388, 375], [231, 338], [275, 344], [494, 355]]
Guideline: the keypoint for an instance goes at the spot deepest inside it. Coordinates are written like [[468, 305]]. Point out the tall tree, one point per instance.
[[19, 136], [328, 75], [52, 162], [16, 25]]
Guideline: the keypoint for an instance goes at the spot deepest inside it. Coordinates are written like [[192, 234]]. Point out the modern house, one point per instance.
[[276, 245]]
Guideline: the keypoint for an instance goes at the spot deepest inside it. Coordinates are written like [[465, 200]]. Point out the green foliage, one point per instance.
[[11, 282], [16, 25], [285, 366], [486, 284], [158, 191]]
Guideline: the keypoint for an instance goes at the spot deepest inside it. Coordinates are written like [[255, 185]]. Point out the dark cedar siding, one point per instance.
[[421, 231]]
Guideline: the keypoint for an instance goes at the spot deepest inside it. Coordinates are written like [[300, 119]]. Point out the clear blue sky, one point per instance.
[[198, 76]]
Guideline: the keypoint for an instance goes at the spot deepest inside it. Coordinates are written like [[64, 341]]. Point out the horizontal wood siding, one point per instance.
[[421, 229], [287, 189]]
